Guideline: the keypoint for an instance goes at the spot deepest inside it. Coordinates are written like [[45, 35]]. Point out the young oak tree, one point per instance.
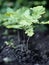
[[23, 18]]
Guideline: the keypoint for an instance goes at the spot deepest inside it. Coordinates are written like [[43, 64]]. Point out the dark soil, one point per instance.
[[36, 54]]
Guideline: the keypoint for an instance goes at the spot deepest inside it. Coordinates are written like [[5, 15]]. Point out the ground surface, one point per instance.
[[37, 54]]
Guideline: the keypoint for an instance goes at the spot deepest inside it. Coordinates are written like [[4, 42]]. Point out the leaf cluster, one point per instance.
[[23, 18]]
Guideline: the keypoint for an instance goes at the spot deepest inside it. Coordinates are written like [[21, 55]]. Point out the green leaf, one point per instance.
[[14, 26], [37, 12], [29, 32], [9, 10]]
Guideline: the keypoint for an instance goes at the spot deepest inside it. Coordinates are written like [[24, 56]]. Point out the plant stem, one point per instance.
[[18, 36], [27, 42], [23, 38]]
